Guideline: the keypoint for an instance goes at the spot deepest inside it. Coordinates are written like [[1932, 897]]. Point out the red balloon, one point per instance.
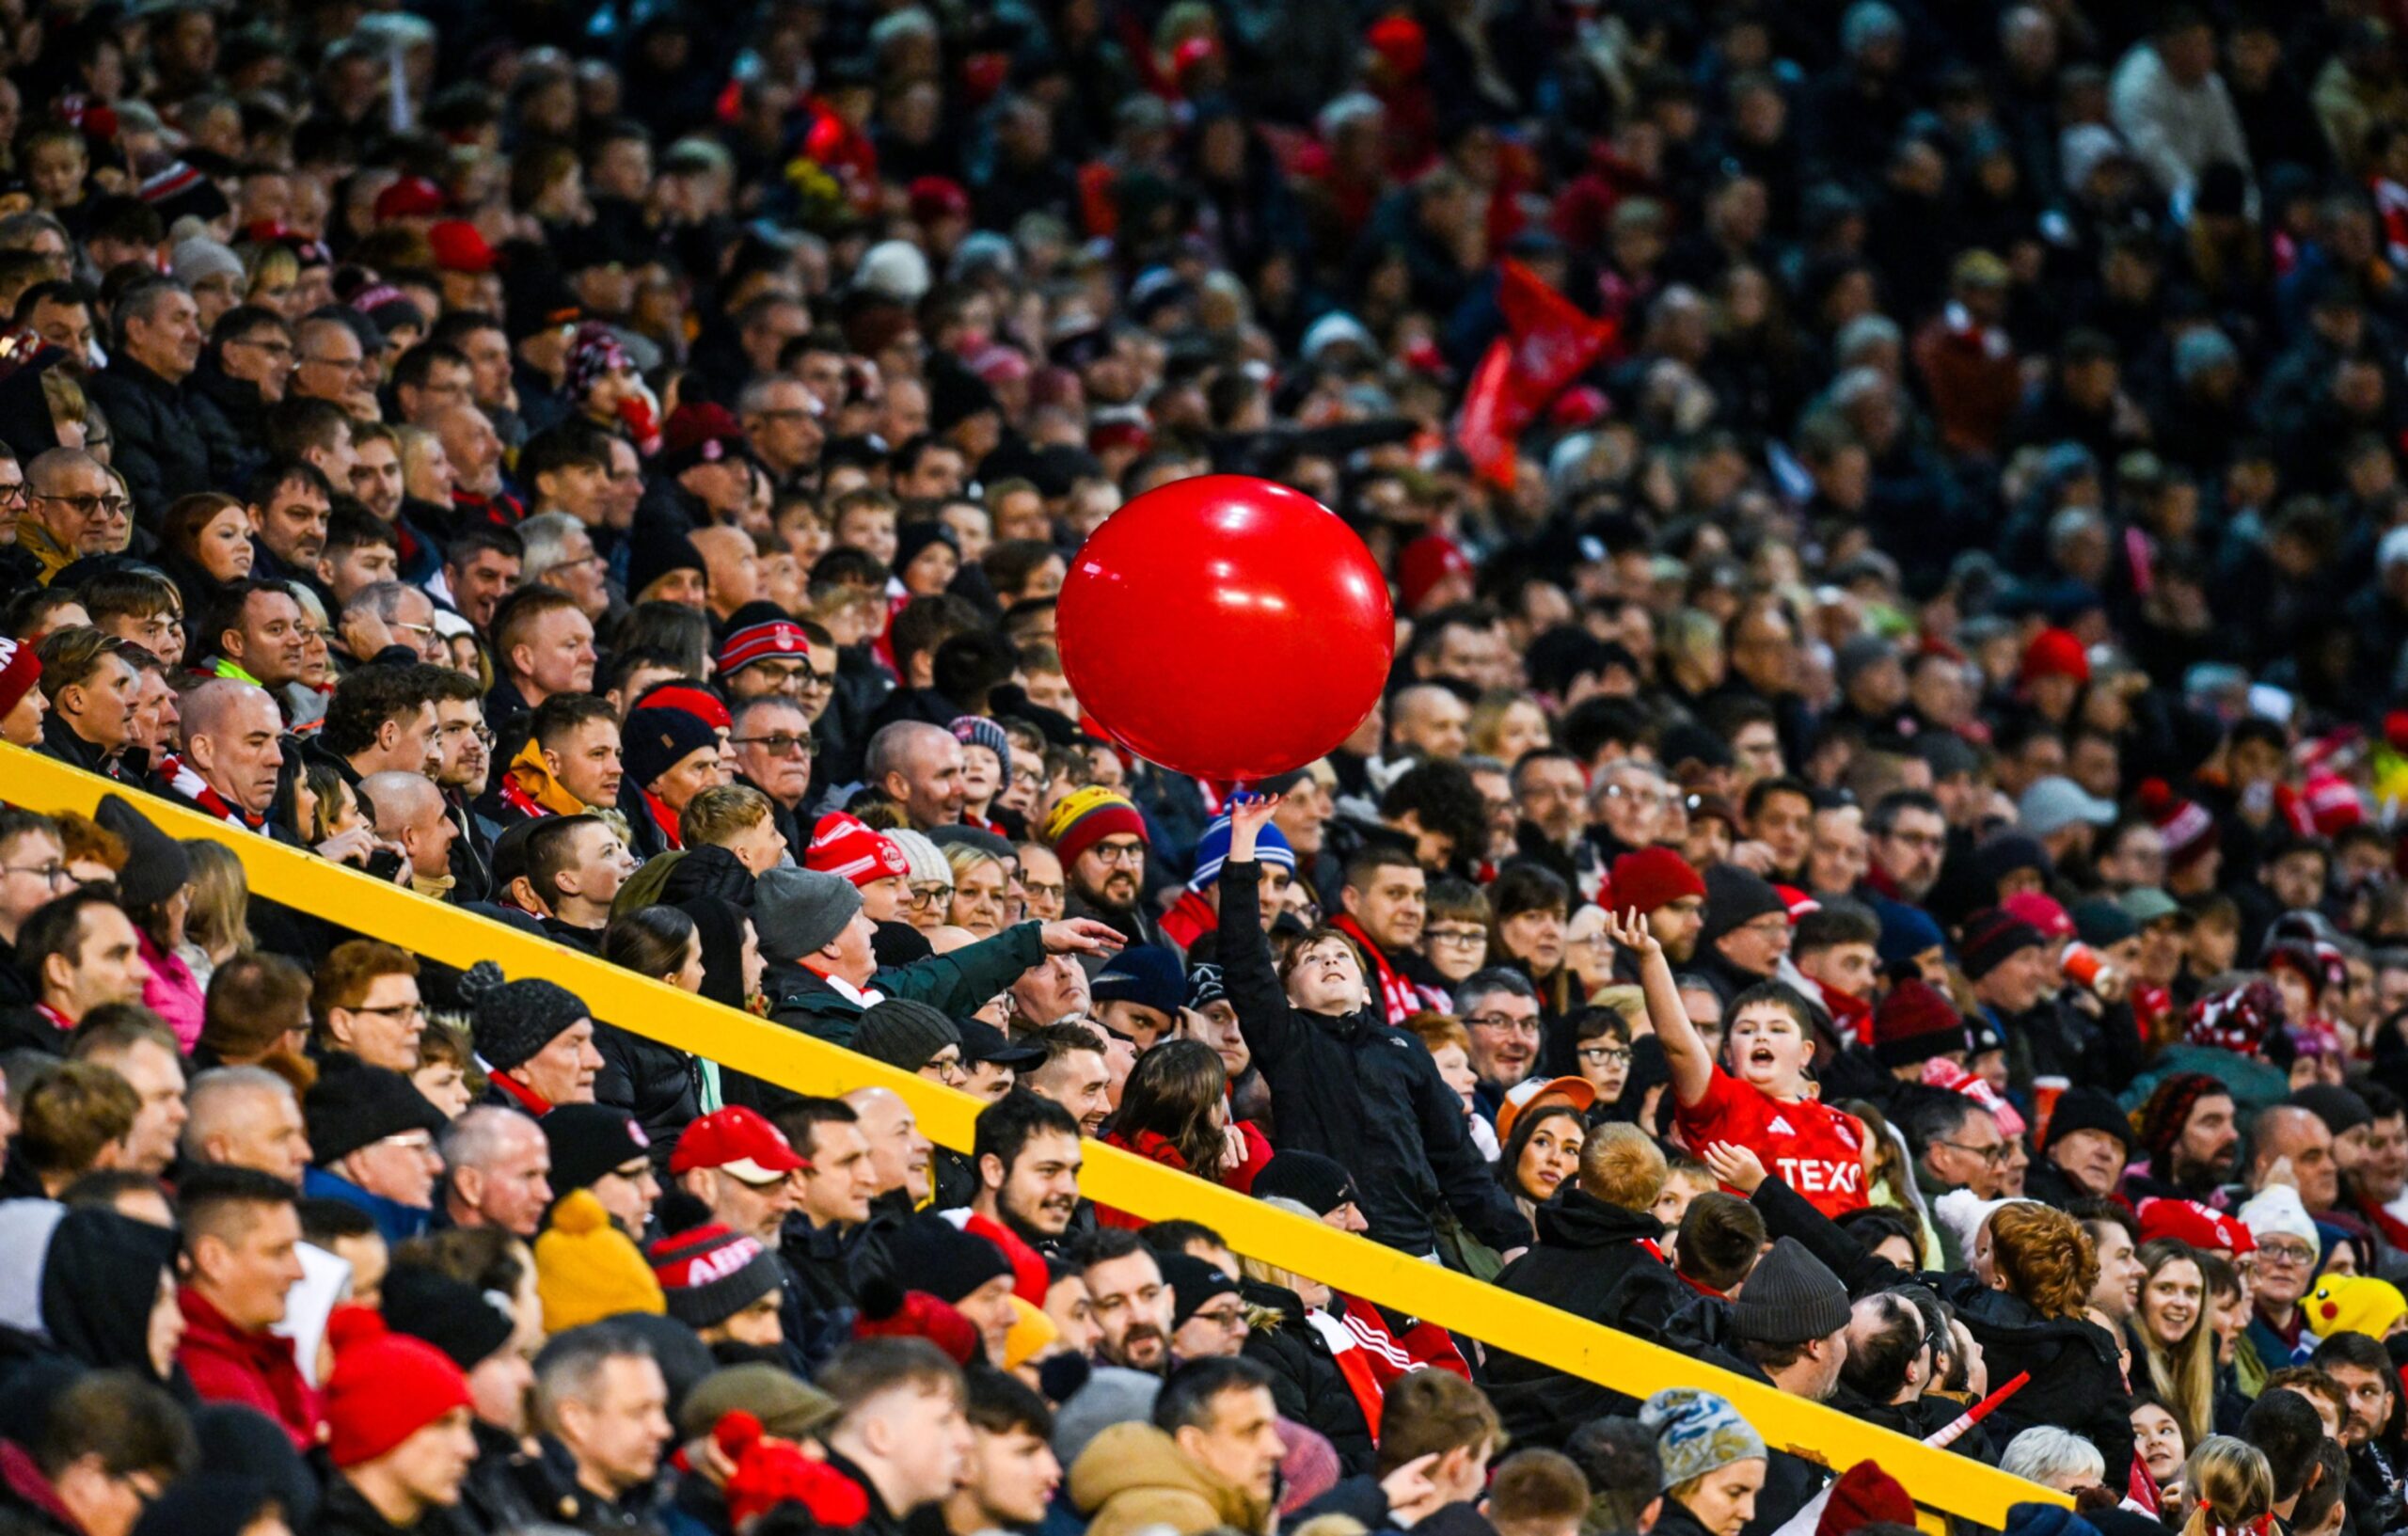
[[1227, 627]]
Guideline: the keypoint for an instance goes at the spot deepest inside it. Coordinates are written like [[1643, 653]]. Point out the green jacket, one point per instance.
[[956, 984]]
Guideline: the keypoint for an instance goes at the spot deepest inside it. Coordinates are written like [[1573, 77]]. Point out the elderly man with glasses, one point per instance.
[[74, 507]]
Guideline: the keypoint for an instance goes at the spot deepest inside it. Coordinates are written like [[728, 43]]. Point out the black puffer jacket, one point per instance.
[[156, 448], [1593, 1259], [659, 1084], [2077, 1382], [1304, 1378], [1355, 1090]]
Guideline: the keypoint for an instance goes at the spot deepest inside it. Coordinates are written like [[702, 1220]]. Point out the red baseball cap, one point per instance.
[[739, 1140]]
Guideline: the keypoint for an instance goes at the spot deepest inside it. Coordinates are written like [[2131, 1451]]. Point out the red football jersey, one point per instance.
[[1814, 1149]]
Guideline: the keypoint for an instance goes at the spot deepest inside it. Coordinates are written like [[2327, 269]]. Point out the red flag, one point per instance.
[[1548, 342]]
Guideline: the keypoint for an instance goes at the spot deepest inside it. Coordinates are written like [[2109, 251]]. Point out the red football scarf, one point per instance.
[[192, 786]]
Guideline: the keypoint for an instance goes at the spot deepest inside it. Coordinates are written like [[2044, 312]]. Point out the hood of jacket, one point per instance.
[[1138, 1460], [1577, 1219]]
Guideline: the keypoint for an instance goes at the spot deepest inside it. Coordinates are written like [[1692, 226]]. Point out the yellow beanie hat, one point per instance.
[[2356, 1304], [587, 1270], [1032, 1333]]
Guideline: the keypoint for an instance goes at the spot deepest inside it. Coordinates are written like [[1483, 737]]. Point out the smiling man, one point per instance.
[[1025, 1148]]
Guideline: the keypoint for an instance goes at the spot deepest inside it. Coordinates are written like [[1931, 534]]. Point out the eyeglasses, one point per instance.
[[12, 495], [1231, 1317], [1131, 854], [1502, 1020], [1457, 938], [90, 507], [779, 743], [2285, 1253], [403, 1013], [1993, 1154], [1039, 891], [927, 896], [50, 873], [1604, 1056]]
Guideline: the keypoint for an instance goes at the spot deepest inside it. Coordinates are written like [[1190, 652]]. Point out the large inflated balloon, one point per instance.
[[1227, 627]]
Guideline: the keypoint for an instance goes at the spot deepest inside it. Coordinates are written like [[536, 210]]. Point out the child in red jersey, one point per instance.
[[1766, 1102]]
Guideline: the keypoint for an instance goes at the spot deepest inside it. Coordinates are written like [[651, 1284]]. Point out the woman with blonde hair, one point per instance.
[[981, 883], [2024, 1302], [2174, 1331], [218, 926]]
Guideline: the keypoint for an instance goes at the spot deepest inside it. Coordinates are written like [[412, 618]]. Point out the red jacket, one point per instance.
[[255, 1370], [1158, 1148]]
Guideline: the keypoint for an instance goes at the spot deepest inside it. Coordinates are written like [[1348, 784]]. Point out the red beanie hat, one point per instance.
[[1916, 1022], [385, 1386], [845, 845], [19, 669], [2055, 653], [889, 1313], [1423, 563], [1865, 1495], [770, 1472], [2189, 830], [2207, 1230], [1649, 878], [2045, 913]]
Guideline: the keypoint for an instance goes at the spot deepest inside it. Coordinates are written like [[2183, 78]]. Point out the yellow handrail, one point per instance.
[[1937, 1479]]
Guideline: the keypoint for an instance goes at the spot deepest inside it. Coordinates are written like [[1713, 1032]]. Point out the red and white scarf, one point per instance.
[[184, 780]]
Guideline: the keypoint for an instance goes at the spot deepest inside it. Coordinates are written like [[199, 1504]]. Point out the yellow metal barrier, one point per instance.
[[1937, 1479]]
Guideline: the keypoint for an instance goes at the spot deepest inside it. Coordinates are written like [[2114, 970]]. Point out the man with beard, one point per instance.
[[464, 746], [1549, 795], [1906, 837], [2356, 1313], [1132, 1305], [1101, 841], [1025, 1148], [2189, 1134]]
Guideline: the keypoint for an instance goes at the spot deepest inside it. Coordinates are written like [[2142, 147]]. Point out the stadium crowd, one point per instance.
[[1879, 867]]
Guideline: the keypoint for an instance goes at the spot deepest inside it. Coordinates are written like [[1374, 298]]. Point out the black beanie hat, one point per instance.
[[1734, 899], [709, 1273], [904, 1032], [655, 740], [657, 546], [156, 866], [1991, 938], [354, 1105], [589, 1140], [464, 1323], [1790, 1298], [1192, 1282], [513, 1020], [1319, 1183], [2089, 1109], [2341, 1110], [942, 1260]]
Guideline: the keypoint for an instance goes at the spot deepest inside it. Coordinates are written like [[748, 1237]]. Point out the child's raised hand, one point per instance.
[[1630, 929], [1247, 815]]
